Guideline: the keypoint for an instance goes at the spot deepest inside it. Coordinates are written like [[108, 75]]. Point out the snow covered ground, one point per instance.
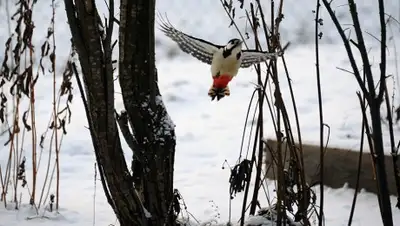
[[209, 133]]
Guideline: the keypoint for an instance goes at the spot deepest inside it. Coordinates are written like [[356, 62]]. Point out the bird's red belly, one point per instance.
[[221, 81]]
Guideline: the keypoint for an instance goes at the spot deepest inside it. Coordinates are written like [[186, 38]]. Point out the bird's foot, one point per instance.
[[226, 91], [218, 93]]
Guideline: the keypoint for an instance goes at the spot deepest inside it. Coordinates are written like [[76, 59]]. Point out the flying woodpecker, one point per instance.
[[225, 60]]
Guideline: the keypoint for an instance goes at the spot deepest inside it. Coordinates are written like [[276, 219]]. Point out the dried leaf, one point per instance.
[[50, 31], [53, 61], [241, 3], [51, 125], [70, 96], [3, 100], [9, 137], [69, 114], [63, 126], [41, 141], [2, 115], [25, 121]]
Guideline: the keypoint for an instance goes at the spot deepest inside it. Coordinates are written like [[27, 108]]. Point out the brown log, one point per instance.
[[340, 167]]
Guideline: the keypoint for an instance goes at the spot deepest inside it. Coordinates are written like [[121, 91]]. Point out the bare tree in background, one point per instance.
[[143, 196]]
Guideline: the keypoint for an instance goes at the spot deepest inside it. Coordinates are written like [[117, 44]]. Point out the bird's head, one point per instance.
[[234, 44]]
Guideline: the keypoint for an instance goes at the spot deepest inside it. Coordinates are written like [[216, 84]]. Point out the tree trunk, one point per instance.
[[149, 189], [153, 129]]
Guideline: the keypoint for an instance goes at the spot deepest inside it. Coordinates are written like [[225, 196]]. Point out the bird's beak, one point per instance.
[[238, 44]]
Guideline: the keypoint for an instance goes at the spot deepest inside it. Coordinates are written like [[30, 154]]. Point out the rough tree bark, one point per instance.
[[149, 188]]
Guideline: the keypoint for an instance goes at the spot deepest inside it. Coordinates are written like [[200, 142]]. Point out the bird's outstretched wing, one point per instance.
[[199, 48], [250, 57]]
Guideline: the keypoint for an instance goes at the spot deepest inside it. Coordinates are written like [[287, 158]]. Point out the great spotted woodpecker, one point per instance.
[[225, 60]]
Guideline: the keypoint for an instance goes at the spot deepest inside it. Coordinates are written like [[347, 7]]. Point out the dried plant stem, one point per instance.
[[363, 126], [18, 159], [3, 194], [44, 135], [259, 122], [47, 171], [15, 131], [8, 14], [34, 134], [50, 153], [52, 175], [53, 58], [56, 144], [15, 171], [321, 116]]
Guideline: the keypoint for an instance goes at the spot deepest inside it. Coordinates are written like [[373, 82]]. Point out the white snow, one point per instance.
[[208, 133]]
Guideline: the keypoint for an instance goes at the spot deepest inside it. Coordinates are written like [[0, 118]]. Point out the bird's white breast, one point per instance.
[[225, 66]]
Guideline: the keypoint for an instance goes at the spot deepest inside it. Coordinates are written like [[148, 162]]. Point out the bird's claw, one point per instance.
[[217, 96]]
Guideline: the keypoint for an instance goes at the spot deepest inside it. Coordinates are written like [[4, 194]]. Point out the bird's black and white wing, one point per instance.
[[199, 48], [250, 57]]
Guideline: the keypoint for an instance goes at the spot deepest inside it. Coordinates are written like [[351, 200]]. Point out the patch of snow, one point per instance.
[[146, 213], [258, 221], [167, 125]]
